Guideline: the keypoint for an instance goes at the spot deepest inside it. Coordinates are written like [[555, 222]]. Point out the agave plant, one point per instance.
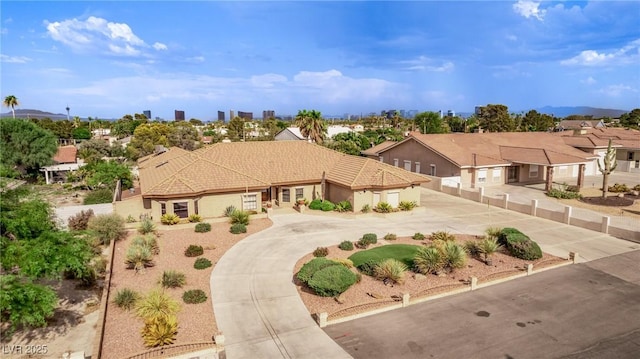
[[428, 260], [160, 331], [156, 304], [229, 211]]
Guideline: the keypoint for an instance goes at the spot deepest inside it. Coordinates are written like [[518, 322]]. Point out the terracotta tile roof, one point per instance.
[[577, 124], [599, 138], [375, 150], [490, 149], [238, 166], [66, 154]]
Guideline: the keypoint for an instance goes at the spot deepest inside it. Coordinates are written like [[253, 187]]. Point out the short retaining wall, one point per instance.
[[323, 319]]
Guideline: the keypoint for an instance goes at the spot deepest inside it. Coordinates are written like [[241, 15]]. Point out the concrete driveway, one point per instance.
[[257, 306]]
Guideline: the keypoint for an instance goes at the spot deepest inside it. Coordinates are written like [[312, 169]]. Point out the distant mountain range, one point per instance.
[[550, 110]]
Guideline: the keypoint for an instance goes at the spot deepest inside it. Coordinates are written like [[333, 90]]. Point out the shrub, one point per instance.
[[369, 267], [156, 304], [344, 261], [407, 205], [170, 219], [160, 331], [138, 258], [173, 279], [562, 194], [194, 218], [229, 211], [316, 204], [390, 237], [107, 227], [102, 195], [239, 217], [148, 241], [505, 232], [453, 255], [619, 188], [327, 206], [147, 226], [194, 296], [428, 260], [311, 267], [365, 208], [472, 248], [321, 252], [331, 281], [384, 207], [519, 245], [636, 187], [442, 236], [487, 247], [493, 232], [346, 245], [344, 206], [238, 228], [193, 250], [130, 219], [202, 263], [390, 270], [418, 236], [203, 227], [80, 221], [371, 238], [126, 298]]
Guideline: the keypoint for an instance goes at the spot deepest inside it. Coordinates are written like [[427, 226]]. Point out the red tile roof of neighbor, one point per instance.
[[239, 166], [500, 148], [66, 154], [599, 138]]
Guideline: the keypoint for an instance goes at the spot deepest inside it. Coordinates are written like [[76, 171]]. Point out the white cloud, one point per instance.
[[512, 37], [616, 90], [14, 59], [423, 63], [529, 9], [589, 81], [98, 34], [628, 54]]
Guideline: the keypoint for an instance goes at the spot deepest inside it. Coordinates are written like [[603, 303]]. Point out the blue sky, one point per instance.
[[107, 59]]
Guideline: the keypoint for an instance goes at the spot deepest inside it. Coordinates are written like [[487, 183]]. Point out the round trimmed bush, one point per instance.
[[315, 204], [418, 236], [194, 296], [346, 246], [238, 228], [203, 227], [327, 206], [390, 237], [332, 280], [202, 263], [193, 250], [321, 252], [311, 267]]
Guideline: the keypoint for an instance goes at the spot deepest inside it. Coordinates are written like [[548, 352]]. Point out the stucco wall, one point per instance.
[[310, 192], [415, 152], [132, 206]]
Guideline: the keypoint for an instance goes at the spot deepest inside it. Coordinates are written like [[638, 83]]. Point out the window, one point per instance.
[[395, 162], [299, 193], [381, 159], [181, 209], [407, 165], [163, 208], [432, 170], [249, 202], [496, 174], [482, 176], [286, 195], [417, 167], [533, 171], [629, 156]]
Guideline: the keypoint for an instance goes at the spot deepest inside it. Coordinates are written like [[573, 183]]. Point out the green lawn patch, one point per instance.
[[401, 252]]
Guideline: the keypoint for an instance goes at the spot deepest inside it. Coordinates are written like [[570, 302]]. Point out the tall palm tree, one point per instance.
[[11, 101], [311, 125]]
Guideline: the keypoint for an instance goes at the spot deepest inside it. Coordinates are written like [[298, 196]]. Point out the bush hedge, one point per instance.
[[519, 244], [193, 251], [311, 267], [203, 227], [238, 228], [202, 263], [333, 280], [321, 252], [194, 296], [346, 245]]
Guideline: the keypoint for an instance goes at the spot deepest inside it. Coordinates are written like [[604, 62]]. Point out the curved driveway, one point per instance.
[[257, 306]]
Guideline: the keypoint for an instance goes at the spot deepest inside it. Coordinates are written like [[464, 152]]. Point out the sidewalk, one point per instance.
[[257, 306]]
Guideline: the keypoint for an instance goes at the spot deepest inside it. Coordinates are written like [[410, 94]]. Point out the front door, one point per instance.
[[513, 173]]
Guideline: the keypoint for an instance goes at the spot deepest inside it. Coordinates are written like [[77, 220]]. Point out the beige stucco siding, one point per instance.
[[309, 192], [132, 206], [415, 152]]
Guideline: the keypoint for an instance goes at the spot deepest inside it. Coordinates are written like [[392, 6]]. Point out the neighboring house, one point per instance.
[[64, 160], [595, 141], [485, 159], [579, 124], [293, 133], [358, 128], [374, 152], [250, 175], [336, 129], [207, 140]]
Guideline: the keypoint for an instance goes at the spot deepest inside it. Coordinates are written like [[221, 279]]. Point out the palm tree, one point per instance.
[[311, 125], [11, 101]]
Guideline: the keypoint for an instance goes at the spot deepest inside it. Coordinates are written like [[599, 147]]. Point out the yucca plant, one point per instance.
[[487, 247], [138, 258], [442, 236], [156, 304], [126, 298], [344, 261], [146, 226], [390, 270], [229, 211], [241, 217], [454, 256], [149, 240], [493, 232], [472, 248], [173, 279], [428, 260], [160, 331]]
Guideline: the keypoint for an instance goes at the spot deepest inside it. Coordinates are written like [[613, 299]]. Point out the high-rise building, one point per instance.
[[267, 114], [179, 115], [245, 115], [147, 113], [221, 116], [232, 115], [451, 113]]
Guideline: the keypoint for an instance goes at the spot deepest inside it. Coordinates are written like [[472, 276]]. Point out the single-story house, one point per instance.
[[485, 159], [565, 125], [64, 161], [250, 175], [595, 141], [294, 134]]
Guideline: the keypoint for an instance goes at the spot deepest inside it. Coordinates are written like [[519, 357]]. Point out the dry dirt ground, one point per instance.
[[196, 321], [357, 298], [632, 211]]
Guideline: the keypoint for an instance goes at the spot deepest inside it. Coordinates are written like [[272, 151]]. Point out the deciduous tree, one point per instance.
[[25, 146], [496, 118], [430, 122]]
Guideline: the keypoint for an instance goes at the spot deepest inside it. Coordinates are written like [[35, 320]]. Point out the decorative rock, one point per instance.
[[397, 298], [419, 276]]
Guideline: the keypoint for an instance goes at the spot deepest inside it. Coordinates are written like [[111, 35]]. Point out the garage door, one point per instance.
[[393, 198]]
